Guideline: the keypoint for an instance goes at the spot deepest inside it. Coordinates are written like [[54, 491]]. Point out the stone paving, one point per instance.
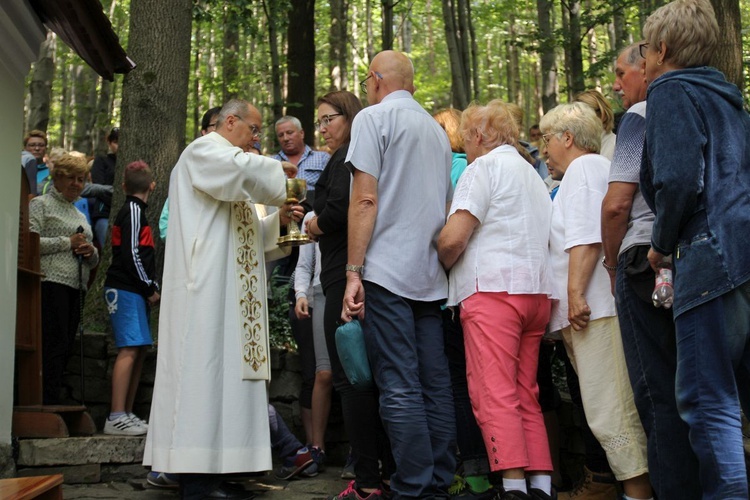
[[322, 486]]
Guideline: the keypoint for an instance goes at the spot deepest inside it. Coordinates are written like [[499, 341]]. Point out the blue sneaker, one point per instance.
[[319, 456], [163, 480], [348, 470], [296, 464]]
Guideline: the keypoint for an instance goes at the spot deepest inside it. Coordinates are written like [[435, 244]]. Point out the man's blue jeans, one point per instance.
[[283, 442], [404, 341], [713, 374], [648, 338]]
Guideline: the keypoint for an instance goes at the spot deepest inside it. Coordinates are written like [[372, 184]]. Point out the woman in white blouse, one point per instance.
[[495, 245], [586, 313]]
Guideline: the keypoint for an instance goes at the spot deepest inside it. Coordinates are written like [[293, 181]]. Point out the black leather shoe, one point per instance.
[[230, 491]]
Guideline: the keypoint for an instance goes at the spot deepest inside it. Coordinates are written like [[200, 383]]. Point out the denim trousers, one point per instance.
[[713, 375], [283, 442], [404, 340], [468, 435], [648, 339]]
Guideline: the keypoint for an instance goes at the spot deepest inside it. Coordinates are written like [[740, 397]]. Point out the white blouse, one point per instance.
[[508, 251]]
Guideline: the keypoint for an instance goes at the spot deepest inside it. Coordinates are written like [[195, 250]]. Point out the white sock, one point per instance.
[[514, 484], [625, 497], [541, 482]]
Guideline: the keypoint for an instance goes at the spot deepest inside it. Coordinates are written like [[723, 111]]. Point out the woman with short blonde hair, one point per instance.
[[495, 244], [578, 119], [585, 313]]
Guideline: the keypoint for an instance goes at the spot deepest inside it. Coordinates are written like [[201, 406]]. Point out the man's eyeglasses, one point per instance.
[[363, 83], [642, 49], [255, 130], [544, 138], [325, 120]]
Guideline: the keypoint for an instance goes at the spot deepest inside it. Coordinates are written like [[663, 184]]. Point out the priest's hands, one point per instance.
[[289, 211], [290, 169]]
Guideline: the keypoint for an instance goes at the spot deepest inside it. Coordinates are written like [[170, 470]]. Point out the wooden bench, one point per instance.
[[23, 488]]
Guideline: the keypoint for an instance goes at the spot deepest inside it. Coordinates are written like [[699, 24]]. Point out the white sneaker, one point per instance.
[[124, 426], [138, 420]]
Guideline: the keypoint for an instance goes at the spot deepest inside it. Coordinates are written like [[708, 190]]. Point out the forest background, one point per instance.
[[281, 55]]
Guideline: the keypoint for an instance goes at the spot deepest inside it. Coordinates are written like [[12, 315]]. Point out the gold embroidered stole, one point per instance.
[[248, 252]]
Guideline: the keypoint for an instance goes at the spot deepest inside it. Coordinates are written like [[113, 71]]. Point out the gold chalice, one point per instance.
[[296, 191]]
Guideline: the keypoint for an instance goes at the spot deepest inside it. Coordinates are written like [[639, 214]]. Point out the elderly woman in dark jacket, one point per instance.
[[65, 240], [696, 178]]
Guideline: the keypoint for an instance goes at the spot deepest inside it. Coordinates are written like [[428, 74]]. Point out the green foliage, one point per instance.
[[280, 331]]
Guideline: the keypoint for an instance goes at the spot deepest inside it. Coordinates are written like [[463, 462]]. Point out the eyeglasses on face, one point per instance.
[[363, 83], [544, 138], [255, 130], [325, 120], [642, 49]]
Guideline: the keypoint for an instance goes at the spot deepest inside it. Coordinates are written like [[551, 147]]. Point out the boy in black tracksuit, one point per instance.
[[129, 290]]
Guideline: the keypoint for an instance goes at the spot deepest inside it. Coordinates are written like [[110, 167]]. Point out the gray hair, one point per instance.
[[239, 107], [288, 118], [633, 54], [578, 119], [689, 30]]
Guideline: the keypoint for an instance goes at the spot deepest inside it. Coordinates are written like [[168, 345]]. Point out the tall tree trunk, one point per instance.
[[514, 66], [301, 65], [464, 40], [41, 85], [369, 31], [65, 106], [277, 104], [565, 11], [728, 57], [431, 67], [547, 55], [387, 7], [593, 47], [621, 35], [405, 32], [102, 117], [229, 59], [159, 42], [474, 53], [577, 83], [84, 98], [460, 93], [337, 52], [196, 118]]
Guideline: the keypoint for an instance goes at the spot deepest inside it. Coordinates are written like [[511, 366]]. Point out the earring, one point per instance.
[[659, 63]]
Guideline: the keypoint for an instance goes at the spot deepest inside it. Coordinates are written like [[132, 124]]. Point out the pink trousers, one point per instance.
[[502, 334]]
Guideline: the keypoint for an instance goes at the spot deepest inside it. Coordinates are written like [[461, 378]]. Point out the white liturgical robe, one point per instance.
[[209, 410]]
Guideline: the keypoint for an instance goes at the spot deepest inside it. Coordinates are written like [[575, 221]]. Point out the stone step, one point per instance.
[[97, 449]]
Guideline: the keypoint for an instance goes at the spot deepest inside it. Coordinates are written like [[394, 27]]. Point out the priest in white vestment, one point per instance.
[[209, 413]]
